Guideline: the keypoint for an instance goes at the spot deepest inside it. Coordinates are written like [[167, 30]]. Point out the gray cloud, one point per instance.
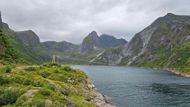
[[71, 20]]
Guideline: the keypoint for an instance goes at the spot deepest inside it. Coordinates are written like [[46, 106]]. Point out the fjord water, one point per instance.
[[137, 87]]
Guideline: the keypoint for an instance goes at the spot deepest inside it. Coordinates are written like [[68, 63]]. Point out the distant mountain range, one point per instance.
[[30, 47], [163, 44]]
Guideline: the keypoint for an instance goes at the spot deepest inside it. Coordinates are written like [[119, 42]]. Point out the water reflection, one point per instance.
[[177, 95]]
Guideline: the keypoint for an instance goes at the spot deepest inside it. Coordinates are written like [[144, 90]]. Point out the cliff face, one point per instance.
[[90, 42], [159, 44]]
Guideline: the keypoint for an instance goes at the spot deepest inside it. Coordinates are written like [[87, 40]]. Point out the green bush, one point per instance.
[[6, 69], [3, 80], [39, 104], [32, 103], [67, 68], [45, 92], [9, 96], [45, 74]]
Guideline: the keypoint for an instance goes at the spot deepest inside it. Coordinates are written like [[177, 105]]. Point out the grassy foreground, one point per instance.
[[49, 85]]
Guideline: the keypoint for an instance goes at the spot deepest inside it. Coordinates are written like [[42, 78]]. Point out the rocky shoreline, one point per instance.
[[173, 71], [100, 99], [177, 72]]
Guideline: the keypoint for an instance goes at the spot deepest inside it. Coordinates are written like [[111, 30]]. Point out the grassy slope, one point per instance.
[[50, 85], [7, 52]]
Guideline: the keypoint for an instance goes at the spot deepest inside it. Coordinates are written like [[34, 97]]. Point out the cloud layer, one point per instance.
[[72, 20]]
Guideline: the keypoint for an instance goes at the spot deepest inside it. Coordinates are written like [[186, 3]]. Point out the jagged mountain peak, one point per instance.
[[93, 33], [93, 41]]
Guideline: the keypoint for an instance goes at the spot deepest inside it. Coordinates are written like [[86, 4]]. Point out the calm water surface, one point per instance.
[[137, 87]]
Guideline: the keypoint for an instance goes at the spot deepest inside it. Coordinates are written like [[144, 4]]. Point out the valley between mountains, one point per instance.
[[165, 44]]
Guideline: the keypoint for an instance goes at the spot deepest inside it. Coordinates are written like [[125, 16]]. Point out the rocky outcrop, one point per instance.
[[98, 98]]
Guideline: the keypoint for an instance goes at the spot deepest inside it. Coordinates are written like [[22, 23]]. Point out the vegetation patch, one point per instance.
[[45, 85]]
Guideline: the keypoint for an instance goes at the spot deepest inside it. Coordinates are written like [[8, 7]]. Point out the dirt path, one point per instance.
[[30, 93]]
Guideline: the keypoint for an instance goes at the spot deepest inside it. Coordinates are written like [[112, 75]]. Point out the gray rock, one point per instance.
[[188, 37]]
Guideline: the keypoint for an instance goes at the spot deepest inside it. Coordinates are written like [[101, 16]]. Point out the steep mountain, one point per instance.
[[29, 38], [90, 42], [105, 41], [163, 44], [24, 52]]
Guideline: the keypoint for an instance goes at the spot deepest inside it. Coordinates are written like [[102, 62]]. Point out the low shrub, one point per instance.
[[6, 69], [67, 68], [45, 74], [3, 80], [9, 96], [45, 92]]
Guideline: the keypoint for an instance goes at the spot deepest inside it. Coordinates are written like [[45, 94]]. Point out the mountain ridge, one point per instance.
[[105, 41], [159, 44]]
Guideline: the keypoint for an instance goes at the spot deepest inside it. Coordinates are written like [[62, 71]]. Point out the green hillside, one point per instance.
[[47, 85], [7, 52]]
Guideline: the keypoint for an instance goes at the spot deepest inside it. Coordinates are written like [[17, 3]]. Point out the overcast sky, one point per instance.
[[72, 20]]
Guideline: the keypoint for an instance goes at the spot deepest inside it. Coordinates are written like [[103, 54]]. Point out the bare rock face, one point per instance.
[[188, 37], [90, 42]]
